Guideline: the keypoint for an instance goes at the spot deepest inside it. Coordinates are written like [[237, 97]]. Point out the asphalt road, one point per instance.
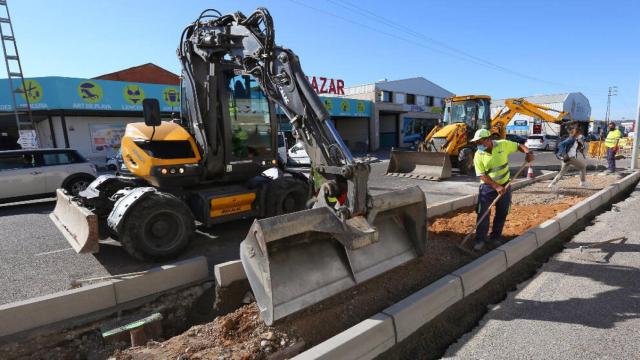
[[580, 305], [35, 259]]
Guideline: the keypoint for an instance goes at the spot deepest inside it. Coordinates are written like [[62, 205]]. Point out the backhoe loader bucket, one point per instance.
[[296, 260], [429, 165], [78, 224]]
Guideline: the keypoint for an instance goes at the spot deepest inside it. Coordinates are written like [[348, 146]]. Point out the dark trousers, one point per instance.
[[485, 198], [611, 159]]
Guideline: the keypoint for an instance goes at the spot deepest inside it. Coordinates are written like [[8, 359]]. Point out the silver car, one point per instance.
[[542, 142], [35, 173]]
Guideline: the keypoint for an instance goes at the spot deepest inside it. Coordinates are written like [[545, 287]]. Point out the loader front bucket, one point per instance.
[[79, 225], [296, 260], [428, 165]]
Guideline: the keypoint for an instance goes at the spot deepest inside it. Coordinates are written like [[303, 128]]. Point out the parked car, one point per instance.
[[30, 174], [542, 142], [297, 156], [282, 147], [517, 138]]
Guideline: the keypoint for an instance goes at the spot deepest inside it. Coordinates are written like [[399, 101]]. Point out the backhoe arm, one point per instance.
[[249, 43], [524, 107]]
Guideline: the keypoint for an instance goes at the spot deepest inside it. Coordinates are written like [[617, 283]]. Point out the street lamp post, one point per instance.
[[613, 91]]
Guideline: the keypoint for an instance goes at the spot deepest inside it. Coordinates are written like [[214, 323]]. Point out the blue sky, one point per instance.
[[499, 48]]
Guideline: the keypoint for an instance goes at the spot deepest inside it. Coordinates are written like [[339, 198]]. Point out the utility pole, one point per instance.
[[613, 91], [634, 152]]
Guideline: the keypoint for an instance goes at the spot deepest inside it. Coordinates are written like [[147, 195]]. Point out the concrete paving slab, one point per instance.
[[416, 310], [480, 271], [365, 340], [579, 306]]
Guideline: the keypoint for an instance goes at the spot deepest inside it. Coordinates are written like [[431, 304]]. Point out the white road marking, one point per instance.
[[53, 252]]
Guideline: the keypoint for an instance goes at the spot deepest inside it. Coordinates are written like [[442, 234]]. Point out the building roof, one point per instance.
[[537, 99], [418, 85], [146, 73]]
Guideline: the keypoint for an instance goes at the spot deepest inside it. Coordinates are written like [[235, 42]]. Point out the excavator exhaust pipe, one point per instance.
[[429, 165], [296, 260], [78, 224]]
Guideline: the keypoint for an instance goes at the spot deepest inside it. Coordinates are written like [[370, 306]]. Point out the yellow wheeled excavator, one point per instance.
[[312, 238], [447, 145]]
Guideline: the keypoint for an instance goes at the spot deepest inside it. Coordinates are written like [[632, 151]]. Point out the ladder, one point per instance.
[[16, 81]]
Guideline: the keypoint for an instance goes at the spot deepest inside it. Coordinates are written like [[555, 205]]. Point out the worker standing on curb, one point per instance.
[[611, 142], [492, 166]]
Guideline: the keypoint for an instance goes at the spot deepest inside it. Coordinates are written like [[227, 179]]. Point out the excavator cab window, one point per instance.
[[475, 113], [250, 118]]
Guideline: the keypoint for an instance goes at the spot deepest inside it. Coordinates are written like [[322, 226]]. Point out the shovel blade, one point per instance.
[[78, 224], [296, 260], [429, 165]]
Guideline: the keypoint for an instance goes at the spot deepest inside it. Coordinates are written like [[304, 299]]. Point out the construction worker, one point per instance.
[[492, 166], [611, 143], [568, 151]]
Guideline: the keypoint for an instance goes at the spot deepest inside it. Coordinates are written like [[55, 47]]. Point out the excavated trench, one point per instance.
[[241, 334]]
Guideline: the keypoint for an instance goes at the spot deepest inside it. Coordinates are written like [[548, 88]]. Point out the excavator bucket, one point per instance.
[[296, 260], [429, 165], [78, 224]]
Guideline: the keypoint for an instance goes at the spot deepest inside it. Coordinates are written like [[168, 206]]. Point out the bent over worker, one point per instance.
[[492, 166]]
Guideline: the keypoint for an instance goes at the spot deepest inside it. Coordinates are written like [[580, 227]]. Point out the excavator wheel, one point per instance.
[[286, 195], [157, 228]]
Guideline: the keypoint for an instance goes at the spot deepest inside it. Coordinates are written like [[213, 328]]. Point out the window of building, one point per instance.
[[399, 98], [429, 101], [420, 100], [411, 99], [386, 96]]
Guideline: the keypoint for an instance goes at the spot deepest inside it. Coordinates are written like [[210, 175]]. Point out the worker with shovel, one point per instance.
[[492, 166]]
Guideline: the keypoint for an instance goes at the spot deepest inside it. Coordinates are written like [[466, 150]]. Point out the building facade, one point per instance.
[[574, 103], [403, 110]]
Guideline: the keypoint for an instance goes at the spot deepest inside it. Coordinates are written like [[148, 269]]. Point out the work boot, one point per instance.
[[494, 243], [585, 184], [478, 246]]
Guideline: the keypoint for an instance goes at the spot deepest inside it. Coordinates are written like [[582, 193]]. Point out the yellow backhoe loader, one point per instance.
[[313, 237], [447, 145]]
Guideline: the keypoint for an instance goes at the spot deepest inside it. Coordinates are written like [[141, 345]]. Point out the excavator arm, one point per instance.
[[524, 107], [297, 259]]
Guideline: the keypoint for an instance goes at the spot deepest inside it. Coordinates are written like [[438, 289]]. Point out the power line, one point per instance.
[[450, 51]]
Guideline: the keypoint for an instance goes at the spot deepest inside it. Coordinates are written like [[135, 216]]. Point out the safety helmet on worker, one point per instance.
[[481, 134]]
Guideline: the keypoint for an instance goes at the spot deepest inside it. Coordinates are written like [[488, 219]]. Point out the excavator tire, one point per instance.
[[157, 228], [286, 195]]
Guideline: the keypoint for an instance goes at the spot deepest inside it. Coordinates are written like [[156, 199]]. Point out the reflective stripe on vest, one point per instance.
[[500, 174]]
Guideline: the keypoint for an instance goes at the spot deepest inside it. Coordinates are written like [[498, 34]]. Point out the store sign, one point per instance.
[[323, 85], [54, 92], [343, 107]]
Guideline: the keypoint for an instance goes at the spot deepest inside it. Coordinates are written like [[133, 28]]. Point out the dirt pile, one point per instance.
[[239, 335]]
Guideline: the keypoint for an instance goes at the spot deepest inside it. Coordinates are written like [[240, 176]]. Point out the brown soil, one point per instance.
[[325, 319], [240, 335]]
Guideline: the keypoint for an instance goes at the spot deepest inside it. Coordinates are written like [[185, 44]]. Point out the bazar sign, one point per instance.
[[45, 93], [323, 85]]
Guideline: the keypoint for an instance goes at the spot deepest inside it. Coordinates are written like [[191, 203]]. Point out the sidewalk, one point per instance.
[[580, 305]]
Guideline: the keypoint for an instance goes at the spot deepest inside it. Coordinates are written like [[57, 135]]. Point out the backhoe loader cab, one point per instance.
[[474, 111]]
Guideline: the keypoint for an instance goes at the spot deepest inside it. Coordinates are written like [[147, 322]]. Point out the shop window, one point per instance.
[[411, 99], [386, 96]]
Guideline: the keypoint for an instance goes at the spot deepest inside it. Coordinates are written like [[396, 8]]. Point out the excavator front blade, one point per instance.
[[79, 225], [428, 165], [296, 260]]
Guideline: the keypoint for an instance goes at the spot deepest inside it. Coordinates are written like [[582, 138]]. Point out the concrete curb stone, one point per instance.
[[65, 305], [229, 272], [520, 247], [420, 307], [595, 201], [439, 209], [28, 314], [566, 218], [480, 271], [546, 231], [365, 340]]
